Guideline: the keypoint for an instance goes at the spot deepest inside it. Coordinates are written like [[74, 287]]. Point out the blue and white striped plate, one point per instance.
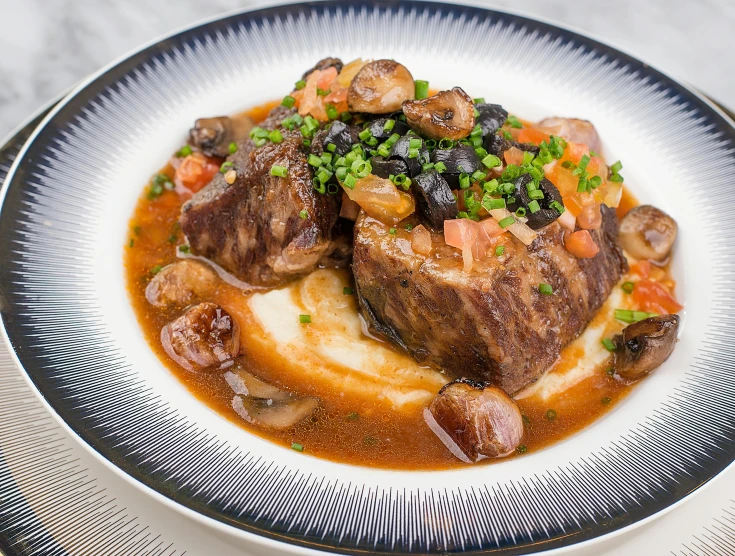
[[66, 314]]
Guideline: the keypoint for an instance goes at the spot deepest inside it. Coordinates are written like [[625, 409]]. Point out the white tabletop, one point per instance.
[[48, 45]]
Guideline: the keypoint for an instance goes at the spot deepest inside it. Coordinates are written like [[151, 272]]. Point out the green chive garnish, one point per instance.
[[305, 319], [421, 89], [280, 171], [545, 289], [296, 446], [348, 291], [608, 344]]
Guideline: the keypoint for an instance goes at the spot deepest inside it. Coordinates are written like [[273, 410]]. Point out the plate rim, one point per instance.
[[264, 6]]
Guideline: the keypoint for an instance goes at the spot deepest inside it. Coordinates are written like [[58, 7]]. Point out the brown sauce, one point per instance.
[[361, 432]]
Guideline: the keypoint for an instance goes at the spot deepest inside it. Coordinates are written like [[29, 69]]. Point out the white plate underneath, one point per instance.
[[65, 212]]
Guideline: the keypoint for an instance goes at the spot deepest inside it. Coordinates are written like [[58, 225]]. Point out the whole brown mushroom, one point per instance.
[[180, 283], [380, 87], [481, 419], [449, 114], [648, 233], [213, 136], [204, 336], [644, 346]]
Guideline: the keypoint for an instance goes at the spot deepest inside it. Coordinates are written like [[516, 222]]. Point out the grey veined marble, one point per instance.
[[48, 45]]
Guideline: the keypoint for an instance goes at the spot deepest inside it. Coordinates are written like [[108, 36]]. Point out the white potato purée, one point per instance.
[[332, 347]]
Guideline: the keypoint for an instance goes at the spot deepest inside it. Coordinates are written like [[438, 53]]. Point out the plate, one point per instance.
[[65, 313]]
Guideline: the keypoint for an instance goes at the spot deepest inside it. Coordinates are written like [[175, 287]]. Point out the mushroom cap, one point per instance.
[[645, 345], [380, 87], [480, 418], [447, 114], [648, 233]]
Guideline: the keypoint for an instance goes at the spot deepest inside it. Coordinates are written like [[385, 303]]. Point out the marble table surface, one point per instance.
[[49, 45]]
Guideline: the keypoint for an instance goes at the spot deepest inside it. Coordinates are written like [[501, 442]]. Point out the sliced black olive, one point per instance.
[[459, 159], [547, 214], [401, 150], [341, 136], [326, 63], [645, 345], [434, 199], [385, 167], [491, 118], [378, 130], [497, 145]]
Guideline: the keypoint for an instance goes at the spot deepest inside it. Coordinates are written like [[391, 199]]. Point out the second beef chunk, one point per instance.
[[264, 229], [492, 323]]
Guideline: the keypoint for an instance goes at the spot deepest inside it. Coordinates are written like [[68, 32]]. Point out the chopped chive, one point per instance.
[[507, 221], [499, 250], [514, 122], [305, 319], [132, 243], [296, 446], [300, 84], [288, 101], [533, 207], [627, 287], [226, 166], [491, 161], [550, 414], [388, 125], [280, 171], [557, 206], [323, 92], [421, 89], [536, 194], [354, 416], [156, 269], [314, 160], [303, 214], [520, 212], [491, 203], [606, 400], [365, 134], [392, 231], [522, 449], [608, 344], [232, 148], [184, 248], [478, 175], [408, 227], [349, 181], [545, 289], [615, 168], [184, 151], [440, 166], [414, 143], [348, 291], [464, 181], [332, 111], [610, 371]]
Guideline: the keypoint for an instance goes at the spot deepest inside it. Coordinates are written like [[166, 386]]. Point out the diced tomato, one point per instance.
[[478, 237], [590, 218], [326, 77], [573, 205], [195, 171], [642, 268], [574, 152], [532, 135], [513, 155], [581, 245], [654, 298]]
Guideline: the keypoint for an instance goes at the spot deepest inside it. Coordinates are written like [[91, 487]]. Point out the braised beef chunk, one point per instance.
[[492, 323], [262, 228], [204, 336]]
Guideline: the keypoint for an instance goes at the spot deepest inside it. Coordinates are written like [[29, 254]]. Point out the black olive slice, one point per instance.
[[547, 214], [458, 160], [491, 118], [341, 136], [434, 199], [378, 130], [401, 150], [385, 167]]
